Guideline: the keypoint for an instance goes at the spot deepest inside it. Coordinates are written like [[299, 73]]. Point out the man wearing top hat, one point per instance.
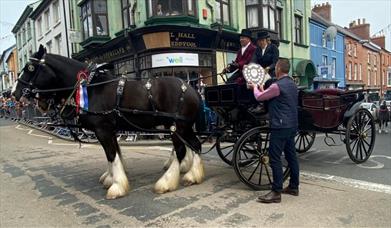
[[243, 57], [266, 54]]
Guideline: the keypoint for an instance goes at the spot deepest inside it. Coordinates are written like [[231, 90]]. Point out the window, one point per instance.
[[389, 79], [263, 14], [58, 41], [369, 58], [279, 19], [349, 49], [298, 29], [127, 13], [28, 30], [375, 60], [355, 50], [49, 47], [47, 20], [39, 27], [334, 68], [166, 8], [222, 12], [350, 71], [56, 12], [369, 77], [384, 78], [333, 43], [324, 42], [324, 60], [94, 18], [360, 72], [355, 71], [375, 78], [23, 36]]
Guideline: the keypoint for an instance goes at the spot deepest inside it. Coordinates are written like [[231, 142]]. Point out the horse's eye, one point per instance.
[[31, 68]]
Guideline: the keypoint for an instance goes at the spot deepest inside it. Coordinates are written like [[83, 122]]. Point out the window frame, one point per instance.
[[93, 16], [128, 10], [298, 29], [222, 3], [279, 21], [152, 5], [271, 6]]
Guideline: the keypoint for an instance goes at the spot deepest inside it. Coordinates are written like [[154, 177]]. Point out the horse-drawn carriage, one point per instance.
[[115, 104], [246, 135]]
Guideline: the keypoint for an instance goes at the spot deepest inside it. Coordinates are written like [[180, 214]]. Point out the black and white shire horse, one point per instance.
[[48, 77]]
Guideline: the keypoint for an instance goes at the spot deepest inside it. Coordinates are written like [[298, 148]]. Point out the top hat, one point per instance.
[[262, 35], [246, 33]]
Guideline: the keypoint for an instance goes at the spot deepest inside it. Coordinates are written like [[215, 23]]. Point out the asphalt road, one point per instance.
[[45, 181]]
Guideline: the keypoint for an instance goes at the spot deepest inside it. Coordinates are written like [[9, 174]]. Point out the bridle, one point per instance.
[[29, 91]]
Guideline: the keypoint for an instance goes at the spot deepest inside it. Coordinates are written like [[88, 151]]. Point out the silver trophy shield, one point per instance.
[[255, 73]]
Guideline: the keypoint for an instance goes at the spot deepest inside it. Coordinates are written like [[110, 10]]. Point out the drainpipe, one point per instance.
[[66, 27], [292, 31]]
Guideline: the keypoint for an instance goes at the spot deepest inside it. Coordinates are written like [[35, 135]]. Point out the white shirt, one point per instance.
[[245, 47], [263, 50]]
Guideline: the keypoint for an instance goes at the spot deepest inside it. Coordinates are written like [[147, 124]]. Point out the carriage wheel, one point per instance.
[[360, 136], [225, 152], [304, 141], [251, 160]]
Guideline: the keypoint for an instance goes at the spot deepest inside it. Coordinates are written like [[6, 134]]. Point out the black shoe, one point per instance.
[[271, 197], [290, 191]]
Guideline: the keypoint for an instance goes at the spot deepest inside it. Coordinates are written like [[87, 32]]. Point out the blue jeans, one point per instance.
[[283, 140]]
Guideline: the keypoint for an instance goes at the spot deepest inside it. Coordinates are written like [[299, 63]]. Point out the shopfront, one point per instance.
[[166, 50]]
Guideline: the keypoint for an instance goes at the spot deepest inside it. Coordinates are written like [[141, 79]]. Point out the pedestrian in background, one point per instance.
[[383, 117], [282, 105]]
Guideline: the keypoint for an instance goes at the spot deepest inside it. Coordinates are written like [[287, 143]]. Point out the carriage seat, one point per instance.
[[332, 92]]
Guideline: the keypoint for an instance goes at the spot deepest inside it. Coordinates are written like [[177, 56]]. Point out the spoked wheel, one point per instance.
[[251, 159], [304, 141], [360, 136], [225, 151]]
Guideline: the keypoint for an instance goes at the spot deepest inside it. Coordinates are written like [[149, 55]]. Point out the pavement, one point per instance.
[[47, 182]]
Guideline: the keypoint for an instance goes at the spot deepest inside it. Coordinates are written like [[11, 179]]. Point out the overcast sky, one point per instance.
[[376, 12]]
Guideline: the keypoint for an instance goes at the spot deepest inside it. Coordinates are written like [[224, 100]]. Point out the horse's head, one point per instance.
[[35, 75]]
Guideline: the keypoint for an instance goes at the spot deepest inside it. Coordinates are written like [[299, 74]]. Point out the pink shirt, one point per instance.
[[269, 93]]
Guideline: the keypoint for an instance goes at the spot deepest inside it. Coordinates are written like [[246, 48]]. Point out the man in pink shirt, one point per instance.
[[282, 104]]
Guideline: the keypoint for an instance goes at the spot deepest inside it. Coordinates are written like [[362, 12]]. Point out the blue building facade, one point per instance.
[[327, 55]]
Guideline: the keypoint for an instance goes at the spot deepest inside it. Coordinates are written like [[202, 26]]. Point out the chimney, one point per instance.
[[361, 29], [380, 41], [323, 10]]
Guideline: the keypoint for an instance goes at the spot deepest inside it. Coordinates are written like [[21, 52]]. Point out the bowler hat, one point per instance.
[[262, 35], [246, 33]]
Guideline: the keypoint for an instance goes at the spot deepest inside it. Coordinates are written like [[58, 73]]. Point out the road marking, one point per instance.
[[350, 182], [42, 136], [159, 148]]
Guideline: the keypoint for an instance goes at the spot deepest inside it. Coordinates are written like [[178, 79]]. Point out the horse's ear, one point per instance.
[[41, 52]]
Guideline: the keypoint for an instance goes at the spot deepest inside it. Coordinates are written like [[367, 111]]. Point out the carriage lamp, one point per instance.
[[173, 128]]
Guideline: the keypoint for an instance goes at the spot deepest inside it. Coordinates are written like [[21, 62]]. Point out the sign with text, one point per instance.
[[175, 59]]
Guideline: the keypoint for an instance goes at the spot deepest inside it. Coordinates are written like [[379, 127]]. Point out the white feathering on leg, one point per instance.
[[169, 161], [187, 161], [120, 186], [170, 179], [107, 177], [196, 173]]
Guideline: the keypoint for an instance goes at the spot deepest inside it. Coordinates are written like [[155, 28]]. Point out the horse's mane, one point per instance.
[[67, 61]]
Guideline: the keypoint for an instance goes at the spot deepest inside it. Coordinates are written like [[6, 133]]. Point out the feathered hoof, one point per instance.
[[117, 190], [196, 173], [170, 179]]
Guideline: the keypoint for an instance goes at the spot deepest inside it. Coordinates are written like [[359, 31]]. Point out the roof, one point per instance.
[[29, 8], [40, 8], [6, 53]]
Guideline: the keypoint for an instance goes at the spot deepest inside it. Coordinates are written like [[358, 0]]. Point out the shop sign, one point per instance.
[[183, 39], [175, 59]]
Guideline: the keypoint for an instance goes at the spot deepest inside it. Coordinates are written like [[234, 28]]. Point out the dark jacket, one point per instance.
[[240, 61], [283, 109], [268, 59]]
